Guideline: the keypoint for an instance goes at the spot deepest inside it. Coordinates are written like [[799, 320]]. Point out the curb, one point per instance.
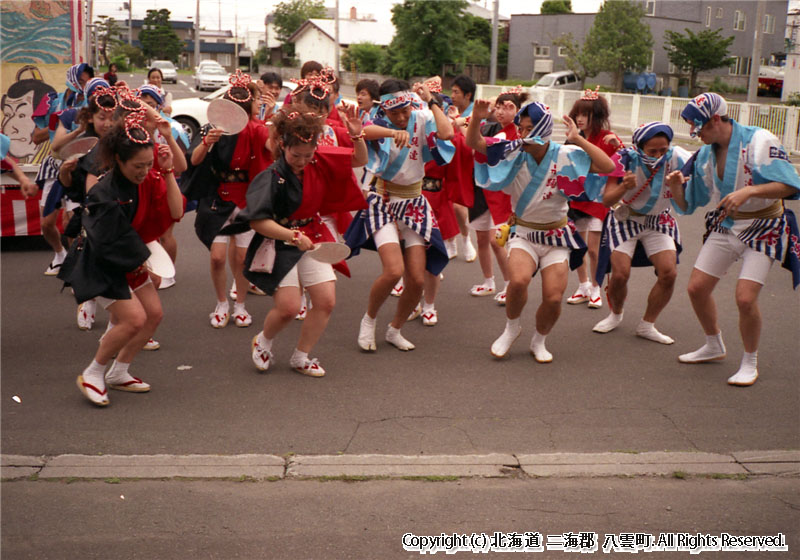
[[495, 465]]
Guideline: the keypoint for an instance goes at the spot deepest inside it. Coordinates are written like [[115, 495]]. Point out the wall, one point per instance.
[[315, 45]]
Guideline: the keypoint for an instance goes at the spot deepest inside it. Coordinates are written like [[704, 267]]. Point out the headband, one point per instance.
[[542, 120], [646, 131], [516, 90], [396, 100], [93, 84], [434, 84], [101, 91], [700, 110], [152, 91], [73, 76]]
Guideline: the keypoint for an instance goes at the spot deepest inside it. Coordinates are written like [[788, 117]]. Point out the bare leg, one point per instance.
[[666, 268], [392, 261], [593, 249], [583, 275], [287, 304], [501, 255], [323, 299], [701, 285], [170, 243], [151, 304], [129, 319], [50, 231], [431, 288], [413, 278], [554, 282], [237, 267], [521, 268], [749, 313], [618, 283], [219, 252], [462, 217], [484, 252]]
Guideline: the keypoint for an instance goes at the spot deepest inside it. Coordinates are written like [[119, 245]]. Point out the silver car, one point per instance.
[[168, 70], [210, 77]]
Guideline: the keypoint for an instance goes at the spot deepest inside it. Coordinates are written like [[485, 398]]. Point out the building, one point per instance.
[[219, 45], [314, 40], [532, 53]]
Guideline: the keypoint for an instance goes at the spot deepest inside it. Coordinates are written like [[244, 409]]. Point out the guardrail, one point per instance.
[[630, 110]]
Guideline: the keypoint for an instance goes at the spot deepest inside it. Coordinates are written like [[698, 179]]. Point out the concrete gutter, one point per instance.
[[496, 465]]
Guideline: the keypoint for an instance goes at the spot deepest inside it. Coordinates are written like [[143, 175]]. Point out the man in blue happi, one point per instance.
[[745, 171]]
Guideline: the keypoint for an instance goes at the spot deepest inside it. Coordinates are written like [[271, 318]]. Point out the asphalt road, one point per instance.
[[602, 393]]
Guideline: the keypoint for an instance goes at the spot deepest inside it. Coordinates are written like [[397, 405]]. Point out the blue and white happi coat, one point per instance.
[[403, 166], [540, 193], [655, 202], [755, 156]]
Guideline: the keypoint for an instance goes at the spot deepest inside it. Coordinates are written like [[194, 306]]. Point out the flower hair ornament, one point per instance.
[[295, 114], [133, 122], [240, 80], [313, 84], [103, 91], [516, 90], [591, 95]]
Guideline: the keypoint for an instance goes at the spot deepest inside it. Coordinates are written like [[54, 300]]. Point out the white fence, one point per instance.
[[630, 110]]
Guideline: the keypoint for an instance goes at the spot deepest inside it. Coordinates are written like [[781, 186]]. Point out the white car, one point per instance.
[[565, 79], [168, 70], [210, 76], [191, 112]]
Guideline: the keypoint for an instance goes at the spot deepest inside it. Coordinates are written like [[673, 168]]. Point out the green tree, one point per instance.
[[578, 59], [107, 32], [124, 55], [619, 40], [290, 15], [367, 57], [556, 7], [158, 39], [427, 35], [697, 52]]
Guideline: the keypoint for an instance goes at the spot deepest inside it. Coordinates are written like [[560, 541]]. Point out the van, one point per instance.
[[566, 79]]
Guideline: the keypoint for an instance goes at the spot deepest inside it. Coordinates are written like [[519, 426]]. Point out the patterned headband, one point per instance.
[[516, 90], [152, 91], [540, 116], [134, 121], [591, 95], [397, 100], [700, 110], [240, 80], [646, 131]]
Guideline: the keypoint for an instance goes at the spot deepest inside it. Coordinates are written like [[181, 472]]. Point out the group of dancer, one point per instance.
[[392, 175]]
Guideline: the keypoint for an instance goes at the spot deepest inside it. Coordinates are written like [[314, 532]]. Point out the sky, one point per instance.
[[251, 13]]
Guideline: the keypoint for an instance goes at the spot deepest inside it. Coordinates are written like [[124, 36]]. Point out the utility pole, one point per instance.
[[197, 34], [130, 23], [755, 58], [235, 36], [336, 37], [87, 31], [495, 23]]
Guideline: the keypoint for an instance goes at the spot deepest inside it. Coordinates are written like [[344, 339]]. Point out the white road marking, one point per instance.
[[181, 82]]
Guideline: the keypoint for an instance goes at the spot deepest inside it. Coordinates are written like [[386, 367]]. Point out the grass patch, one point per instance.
[[680, 474], [350, 478], [112, 480], [629, 451], [432, 478], [727, 476], [34, 477]]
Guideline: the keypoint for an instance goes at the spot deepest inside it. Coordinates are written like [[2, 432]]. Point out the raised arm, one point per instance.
[[601, 163], [475, 139], [444, 128], [356, 131]]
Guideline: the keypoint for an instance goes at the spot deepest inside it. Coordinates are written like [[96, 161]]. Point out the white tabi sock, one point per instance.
[[502, 345], [396, 339], [538, 349], [264, 342], [93, 375], [298, 358], [59, 257], [713, 349], [748, 370], [366, 334], [238, 308], [427, 307], [648, 330], [609, 323]]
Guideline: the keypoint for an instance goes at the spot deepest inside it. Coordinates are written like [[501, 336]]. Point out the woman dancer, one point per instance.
[[540, 175], [284, 208], [645, 219], [397, 207], [590, 114], [129, 205], [156, 77], [232, 160]]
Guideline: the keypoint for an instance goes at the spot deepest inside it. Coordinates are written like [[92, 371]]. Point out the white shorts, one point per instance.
[[66, 203], [242, 240], [389, 234], [483, 222], [589, 223], [652, 241], [721, 250], [104, 302], [542, 255], [307, 272]]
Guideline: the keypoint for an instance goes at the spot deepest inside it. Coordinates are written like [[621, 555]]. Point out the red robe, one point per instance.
[[596, 209], [250, 154]]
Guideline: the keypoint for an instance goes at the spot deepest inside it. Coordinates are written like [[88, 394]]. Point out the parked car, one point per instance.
[[168, 70], [566, 79], [210, 77], [191, 112]]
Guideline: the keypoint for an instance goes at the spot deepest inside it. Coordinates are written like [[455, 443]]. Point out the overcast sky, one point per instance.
[[251, 13]]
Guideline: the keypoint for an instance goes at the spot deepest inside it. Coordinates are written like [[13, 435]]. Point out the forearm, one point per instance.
[[40, 135], [272, 229], [771, 190], [62, 138], [444, 129], [613, 192], [174, 197], [360, 155], [375, 132], [475, 139], [178, 157], [199, 154]]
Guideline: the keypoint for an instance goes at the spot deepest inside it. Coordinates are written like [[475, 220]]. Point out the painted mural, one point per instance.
[[37, 32]]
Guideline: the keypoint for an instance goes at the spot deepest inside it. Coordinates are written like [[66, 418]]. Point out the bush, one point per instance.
[[130, 55], [366, 57], [793, 99]]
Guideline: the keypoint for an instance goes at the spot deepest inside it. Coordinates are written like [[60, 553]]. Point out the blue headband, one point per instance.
[[542, 120], [152, 91], [700, 110], [646, 131]]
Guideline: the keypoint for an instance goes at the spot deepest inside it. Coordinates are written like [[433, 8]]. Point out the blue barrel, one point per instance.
[[683, 91], [650, 81], [633, 81]]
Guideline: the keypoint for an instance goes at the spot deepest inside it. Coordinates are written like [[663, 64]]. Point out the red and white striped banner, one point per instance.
[[18, 216]]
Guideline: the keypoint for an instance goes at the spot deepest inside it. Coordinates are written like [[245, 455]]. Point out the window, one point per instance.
[[769, 23], [740, 66], [541, 51], [224, 59], [708, 16], [562, 51], [739, 20], [650, 8], [652, 62], [719, 13], [672, 69]]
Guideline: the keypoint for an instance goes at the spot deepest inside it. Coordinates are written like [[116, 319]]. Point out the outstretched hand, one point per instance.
[[675, 180], [164, 157], [481, 109], [573, 132], [352, 120]]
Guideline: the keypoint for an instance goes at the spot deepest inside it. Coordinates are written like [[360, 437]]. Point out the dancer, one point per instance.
[[233, 161], [129, 205], [396, 206], [463, 95], [642, 231], [591, 114], [284, 207], [156, 78], [540, 175], [747, 170]]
